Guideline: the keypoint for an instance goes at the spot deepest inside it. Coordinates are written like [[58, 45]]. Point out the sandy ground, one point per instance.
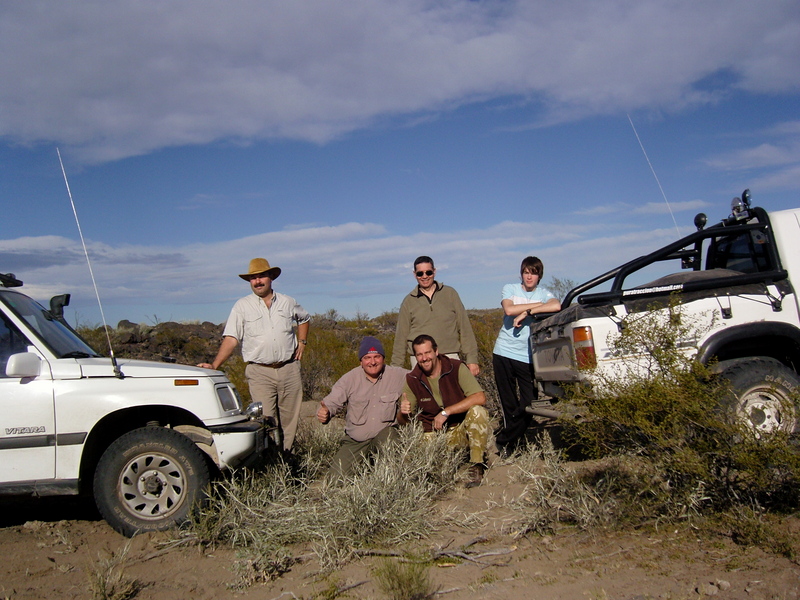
[[52, 547]]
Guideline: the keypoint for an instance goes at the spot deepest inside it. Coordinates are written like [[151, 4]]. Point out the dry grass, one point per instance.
[[107, 579], [267, 514], [404, 580]]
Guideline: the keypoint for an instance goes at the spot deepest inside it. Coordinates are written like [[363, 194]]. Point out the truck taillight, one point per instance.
[[583, 342]]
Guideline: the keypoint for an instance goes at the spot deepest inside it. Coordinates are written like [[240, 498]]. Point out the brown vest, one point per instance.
[[448, 387]]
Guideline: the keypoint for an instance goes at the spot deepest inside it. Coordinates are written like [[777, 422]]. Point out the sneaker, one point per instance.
[[476, 471]]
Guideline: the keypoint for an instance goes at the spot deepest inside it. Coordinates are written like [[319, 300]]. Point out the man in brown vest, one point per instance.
[[448, 397]]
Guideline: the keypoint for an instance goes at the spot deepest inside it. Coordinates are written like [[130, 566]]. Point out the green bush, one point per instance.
[[669, 409]]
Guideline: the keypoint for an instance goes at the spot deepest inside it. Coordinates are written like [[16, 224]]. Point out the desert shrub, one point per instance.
[[486, 325], [315, 446], [96, 337], [666, 408], [333, 350], [404, 580], [234, 369], [752, 526], [389, 500], [556, 494], [386, 322], [560, 287]]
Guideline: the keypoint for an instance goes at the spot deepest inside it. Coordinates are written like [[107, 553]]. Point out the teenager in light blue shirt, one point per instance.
[[511, 359]]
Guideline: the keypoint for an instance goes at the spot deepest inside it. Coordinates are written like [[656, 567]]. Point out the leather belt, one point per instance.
[[276, 365]]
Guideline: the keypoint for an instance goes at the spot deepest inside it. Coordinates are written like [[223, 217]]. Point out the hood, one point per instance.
[[101, 367]]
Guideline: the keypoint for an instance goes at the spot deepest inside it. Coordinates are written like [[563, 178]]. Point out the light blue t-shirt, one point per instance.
[[513, 342]]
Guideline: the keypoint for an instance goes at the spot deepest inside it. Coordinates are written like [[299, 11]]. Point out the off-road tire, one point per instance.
[[762, 393], [150, 479]]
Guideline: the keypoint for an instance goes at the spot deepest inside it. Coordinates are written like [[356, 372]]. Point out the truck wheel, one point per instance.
[[762, 394], [150, 479]]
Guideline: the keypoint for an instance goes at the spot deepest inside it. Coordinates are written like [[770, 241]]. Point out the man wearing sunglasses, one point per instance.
[[436, 310]]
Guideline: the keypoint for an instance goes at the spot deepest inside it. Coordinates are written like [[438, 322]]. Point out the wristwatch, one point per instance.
[[304, 342], [444, 412]]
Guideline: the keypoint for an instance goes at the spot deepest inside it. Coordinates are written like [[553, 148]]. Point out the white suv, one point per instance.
[[143, 437]]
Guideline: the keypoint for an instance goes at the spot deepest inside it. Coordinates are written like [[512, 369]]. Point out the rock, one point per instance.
[[707, 589]]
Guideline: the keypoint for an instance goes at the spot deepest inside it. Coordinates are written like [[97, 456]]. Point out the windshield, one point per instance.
[[63, 342]]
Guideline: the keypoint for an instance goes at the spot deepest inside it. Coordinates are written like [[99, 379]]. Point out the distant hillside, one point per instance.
[[332, 345]]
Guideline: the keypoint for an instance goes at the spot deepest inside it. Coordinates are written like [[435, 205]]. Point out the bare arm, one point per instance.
[[512, 310], [551, 305], [302, 334], [226, 348]]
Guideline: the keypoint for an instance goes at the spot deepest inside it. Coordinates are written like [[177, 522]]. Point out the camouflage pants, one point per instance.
[[472, 433]]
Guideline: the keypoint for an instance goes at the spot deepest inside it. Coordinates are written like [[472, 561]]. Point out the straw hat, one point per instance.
[[260, 266]]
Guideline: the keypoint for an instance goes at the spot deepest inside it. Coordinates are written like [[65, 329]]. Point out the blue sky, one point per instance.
[[342, 140]]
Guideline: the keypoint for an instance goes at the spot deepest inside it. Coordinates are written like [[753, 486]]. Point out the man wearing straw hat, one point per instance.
[[264, 324]]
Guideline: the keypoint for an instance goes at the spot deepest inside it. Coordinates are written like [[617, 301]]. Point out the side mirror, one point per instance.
[[24, 364]]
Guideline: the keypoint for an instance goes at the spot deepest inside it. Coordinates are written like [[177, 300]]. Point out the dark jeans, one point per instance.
[[517, 389]]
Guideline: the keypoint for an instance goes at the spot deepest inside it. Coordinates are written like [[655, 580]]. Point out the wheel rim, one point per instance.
[[152, 486], [765, 411]]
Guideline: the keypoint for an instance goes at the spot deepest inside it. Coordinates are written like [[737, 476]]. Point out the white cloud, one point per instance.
[[110, 80], [650, 208], [770, 165], [349, 267], [662, 208]]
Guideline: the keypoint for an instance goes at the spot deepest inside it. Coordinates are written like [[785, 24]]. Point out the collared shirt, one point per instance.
[[371, 406], [266, 334]]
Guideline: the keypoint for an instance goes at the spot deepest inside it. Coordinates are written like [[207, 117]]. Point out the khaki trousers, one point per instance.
[[280, 392]]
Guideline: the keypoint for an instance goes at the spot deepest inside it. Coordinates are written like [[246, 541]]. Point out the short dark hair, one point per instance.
[[423, 259], [421, 339], [534, 264]]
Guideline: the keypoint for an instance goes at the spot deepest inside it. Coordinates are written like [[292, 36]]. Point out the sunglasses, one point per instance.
[[421, 273]]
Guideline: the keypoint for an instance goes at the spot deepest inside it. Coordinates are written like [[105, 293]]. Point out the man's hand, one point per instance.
[[519, 319], [323, 414], [298, 354], [439, 421], [205, 365], [474, 369], [405, 405]]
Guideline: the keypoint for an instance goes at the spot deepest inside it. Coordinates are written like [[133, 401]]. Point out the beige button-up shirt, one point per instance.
[[266, 334]]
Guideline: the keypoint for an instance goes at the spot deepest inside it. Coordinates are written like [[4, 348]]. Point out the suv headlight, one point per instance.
[[229, 397]]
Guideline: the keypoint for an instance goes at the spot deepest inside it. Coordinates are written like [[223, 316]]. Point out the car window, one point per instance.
[[11, 342]]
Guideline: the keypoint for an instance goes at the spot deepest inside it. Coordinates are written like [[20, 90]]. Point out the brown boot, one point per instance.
[[476, 471]]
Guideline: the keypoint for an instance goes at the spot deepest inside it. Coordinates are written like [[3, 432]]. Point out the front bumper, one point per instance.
[[245, 443]]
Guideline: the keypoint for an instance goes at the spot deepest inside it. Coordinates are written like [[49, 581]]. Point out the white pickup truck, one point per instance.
[[737, 278], [144, 438]]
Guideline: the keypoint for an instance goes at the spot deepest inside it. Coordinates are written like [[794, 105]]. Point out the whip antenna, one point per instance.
[[653, 171], [117, 372]]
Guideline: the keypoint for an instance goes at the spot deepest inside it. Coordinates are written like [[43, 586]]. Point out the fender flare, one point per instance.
[[729, 335]]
